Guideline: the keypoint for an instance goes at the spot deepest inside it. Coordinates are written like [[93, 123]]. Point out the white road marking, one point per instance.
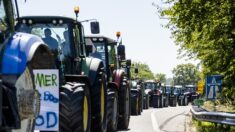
[[154, 123]]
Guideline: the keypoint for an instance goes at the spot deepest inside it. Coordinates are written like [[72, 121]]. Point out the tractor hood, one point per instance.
[[19, 49]]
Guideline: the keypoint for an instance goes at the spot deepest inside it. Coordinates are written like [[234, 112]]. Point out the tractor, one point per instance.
[[182, 96], [151, 90], [21, 54], [192, 92], [83, 93], [106, 49], [137, 94]]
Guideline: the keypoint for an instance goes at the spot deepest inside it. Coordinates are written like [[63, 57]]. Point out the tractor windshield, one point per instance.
[[150, 86], [55, 36], [99, 51], [112, 51], [3, 24]]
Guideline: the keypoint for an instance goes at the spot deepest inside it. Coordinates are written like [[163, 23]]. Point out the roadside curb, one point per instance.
[[189, 126]]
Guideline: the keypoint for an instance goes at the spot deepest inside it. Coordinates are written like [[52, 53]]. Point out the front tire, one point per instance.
[[75, 109], [124, 103], [99, 104], [112, 111]]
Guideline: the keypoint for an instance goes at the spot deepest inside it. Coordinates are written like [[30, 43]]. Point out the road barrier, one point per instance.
[[215, 117]]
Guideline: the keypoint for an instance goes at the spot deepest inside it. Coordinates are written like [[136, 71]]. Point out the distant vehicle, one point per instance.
[[192, 93], [166, 91], [152, 88], [136, 98], [180, 93]]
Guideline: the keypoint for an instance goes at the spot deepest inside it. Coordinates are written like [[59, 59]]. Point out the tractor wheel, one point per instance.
[[75, 109], [147, 101], [28, 100], [140, 103], [99, 103], [124, 103], [185, 101], [135, 105], [112, 110], [139, 106]]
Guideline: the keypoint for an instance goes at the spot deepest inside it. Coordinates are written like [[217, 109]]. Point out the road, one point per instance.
[[171, 119]]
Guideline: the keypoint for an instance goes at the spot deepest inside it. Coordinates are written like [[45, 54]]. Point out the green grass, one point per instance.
[[203, 126]]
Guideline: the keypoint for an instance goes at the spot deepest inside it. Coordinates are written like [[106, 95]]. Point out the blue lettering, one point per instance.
[[50, 116], [49, 97], [39, 120]]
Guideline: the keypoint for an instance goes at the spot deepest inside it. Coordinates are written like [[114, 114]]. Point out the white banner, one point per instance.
[[47, 83]]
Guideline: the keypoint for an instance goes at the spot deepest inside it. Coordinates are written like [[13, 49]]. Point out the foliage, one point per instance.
[[203, 126], [205, 29], [169, 81], [160, 77], [185, 74], [144, 71]]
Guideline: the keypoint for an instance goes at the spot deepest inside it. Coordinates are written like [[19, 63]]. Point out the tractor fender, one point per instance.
[[112, 85], [77, 78], [117, 76], [18, 51], [92, 67]]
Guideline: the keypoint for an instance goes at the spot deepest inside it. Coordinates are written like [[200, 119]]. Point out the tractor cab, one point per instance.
[[105, 49], [63, 35]]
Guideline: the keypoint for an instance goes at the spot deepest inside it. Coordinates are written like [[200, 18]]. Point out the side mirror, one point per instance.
[[88, 49], [121, 52], [2, 37], [95, 28], [136, 70]]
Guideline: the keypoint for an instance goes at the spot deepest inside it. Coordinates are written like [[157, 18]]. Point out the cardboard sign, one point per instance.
[[47, 83]]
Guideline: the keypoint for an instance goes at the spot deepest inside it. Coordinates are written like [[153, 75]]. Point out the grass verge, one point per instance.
[[203, 126]]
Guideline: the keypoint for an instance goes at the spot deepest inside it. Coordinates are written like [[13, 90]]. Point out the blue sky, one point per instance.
[[145, 39]]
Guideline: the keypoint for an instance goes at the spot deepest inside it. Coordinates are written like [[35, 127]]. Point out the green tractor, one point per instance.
[[118, 80], [21, 55], [83, 93]]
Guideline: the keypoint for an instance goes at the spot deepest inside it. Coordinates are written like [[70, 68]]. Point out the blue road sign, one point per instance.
[[213, 86]]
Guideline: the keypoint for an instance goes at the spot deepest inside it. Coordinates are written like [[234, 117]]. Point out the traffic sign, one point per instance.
[[213, 86], [200, 87]]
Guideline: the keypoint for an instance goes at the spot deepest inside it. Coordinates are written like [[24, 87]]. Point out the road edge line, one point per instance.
[[154, 122]]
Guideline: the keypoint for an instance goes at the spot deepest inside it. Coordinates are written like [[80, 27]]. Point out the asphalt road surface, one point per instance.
[[170, 119]]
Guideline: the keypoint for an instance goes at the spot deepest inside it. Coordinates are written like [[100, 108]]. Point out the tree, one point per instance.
[[185, 74], [144, 71], [205, 29], [161, 77]]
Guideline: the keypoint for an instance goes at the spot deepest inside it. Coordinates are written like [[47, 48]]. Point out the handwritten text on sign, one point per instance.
[[47, 83]]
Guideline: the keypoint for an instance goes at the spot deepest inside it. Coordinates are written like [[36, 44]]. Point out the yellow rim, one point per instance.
[[85, 113], [102, 102]]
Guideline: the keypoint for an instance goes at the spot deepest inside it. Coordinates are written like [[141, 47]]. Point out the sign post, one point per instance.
[[47, 83], [213, 86]]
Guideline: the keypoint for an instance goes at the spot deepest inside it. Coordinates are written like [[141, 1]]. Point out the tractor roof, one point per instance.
[[108, 40], [47, 19]]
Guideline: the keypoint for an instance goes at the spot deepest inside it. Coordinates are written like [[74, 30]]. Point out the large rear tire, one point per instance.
[[99, 103], [75, 110], [112, 113], [124, 103]]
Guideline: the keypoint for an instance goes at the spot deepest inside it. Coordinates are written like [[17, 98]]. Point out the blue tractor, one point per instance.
[[21, 53]]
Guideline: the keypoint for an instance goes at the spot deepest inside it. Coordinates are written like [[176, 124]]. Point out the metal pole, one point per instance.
[[17, 9]]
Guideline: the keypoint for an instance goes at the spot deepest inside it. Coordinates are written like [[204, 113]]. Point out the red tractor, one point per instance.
[[117, 71]]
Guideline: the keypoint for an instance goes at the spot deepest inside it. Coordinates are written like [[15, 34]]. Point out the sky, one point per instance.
[[141, 29]]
